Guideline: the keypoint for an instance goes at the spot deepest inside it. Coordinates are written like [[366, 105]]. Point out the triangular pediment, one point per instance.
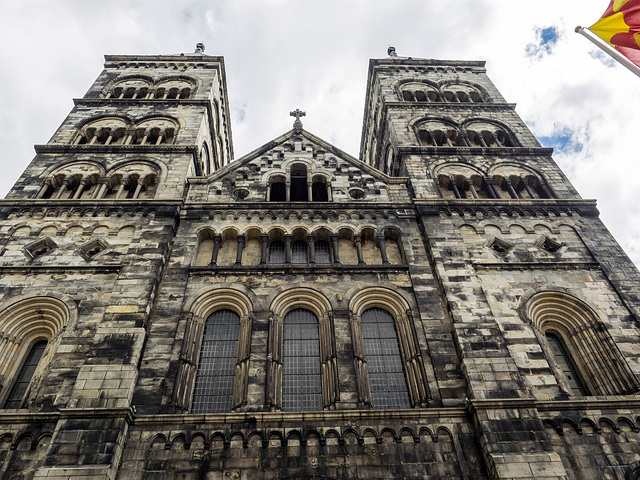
[[294, 158]]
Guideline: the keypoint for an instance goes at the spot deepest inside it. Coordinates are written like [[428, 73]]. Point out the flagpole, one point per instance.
[[605, 47]]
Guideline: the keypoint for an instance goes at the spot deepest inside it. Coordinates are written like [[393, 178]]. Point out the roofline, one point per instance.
[[287, 135], [183, 57]]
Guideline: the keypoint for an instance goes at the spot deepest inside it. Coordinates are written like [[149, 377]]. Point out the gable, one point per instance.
[[298, 161]]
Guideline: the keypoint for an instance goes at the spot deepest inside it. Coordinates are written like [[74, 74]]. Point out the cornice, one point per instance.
[[539, 265], [500, 207], [55, 269], [480, 151], [124, 149], [426, 106], [297, 270], [144, 101]]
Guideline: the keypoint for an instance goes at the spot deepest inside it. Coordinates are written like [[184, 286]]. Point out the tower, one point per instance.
[[444, 306]]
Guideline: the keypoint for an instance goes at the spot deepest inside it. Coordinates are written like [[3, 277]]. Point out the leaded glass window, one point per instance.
[[276, 253], [213, 391], [299, 252], [301, 380], [323, 253], [564, 362], [384, 363], [26, 374]]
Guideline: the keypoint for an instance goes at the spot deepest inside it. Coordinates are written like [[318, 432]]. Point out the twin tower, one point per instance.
[[444, 306]]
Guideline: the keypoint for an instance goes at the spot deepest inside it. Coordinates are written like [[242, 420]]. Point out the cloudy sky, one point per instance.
[[285, 54]]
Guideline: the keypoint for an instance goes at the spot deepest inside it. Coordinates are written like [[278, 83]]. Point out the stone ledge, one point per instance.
[[411, 415]]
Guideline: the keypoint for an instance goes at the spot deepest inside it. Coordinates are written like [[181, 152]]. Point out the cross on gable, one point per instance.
[[297, 125], [298, 113]]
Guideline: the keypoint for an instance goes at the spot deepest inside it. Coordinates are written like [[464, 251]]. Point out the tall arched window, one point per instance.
[[301, 378], [580, 343], [564, 363], [384, 363], [213, 389], [21, 385]]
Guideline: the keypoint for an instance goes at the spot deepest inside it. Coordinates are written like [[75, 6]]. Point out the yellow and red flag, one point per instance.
[[620, 28]]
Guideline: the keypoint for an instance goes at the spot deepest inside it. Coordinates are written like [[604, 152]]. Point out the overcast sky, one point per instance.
[[285, 54]]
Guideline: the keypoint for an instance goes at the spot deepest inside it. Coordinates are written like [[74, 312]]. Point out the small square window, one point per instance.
[[500, 247], [38, 248], [93, 247], [550, 245]]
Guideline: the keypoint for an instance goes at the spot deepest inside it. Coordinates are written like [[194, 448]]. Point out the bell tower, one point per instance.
[[145, 125]]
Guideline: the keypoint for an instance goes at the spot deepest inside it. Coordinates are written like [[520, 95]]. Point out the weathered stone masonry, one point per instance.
[[509, 312]]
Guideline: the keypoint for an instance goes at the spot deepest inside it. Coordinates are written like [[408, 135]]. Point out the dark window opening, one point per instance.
[[278, 192], [299, 191], [319, 192], [21, 386], [566, 366]]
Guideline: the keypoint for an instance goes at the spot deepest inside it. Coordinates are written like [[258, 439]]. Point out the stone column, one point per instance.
[[217, 240], [311, 240], [240, 239], [264, 249], [510, 188], [287, 250], [528, 188], [383, 249], [336, 252], [454, 187], [47, 185], [358, 241], [491, 188]]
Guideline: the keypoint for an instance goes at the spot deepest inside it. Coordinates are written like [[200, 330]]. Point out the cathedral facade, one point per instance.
[[445, 306]]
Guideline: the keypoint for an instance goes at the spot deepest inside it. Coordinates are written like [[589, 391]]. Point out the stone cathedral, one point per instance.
[[445, 306]]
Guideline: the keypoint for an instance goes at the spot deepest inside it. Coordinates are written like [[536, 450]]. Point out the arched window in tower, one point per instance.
[[564, 363], [585, 357], [21, 385], [301, 377], [299, 189], [384, 363], [213, 389]]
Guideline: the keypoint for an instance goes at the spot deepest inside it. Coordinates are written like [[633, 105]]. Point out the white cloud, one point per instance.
[[283, 54]]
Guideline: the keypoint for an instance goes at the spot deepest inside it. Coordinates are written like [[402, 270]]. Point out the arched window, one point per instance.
[[29, 326], [572, 332], [213, 389], [384, 363], [299, 252], [564, 363], [21, 385], [276, 253], [319, 191], [299, 190], [390, 371], [301, 378], [278, 191], [323, 253]]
